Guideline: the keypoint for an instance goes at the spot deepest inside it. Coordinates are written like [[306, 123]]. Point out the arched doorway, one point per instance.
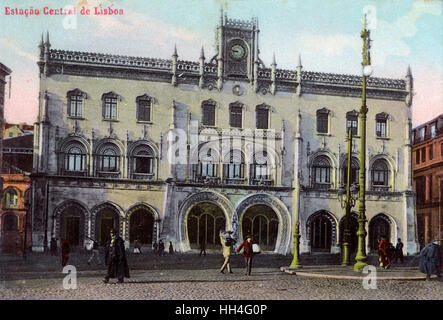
[[106, 219], [352, 227], [141, 226], [321, 231], [204, 222], [261, 222], [72, 224], [379, 226], [11, 239]]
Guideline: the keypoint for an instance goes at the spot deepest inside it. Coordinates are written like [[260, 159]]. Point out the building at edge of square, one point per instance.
[[169, 149]]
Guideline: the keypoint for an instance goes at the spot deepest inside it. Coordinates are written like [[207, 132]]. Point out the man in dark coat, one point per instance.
[[65, 252], [399, 251], [115, 256], [430, 260], [247, 253]]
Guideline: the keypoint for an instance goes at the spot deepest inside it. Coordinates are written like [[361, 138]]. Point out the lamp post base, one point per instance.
[[295, 260], [360, 265]]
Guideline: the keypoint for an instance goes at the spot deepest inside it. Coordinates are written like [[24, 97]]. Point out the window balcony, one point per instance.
[[108, 174], [261, 182], [75, 173], [234, 181], [321, 186], [380, 188], [143, 176]]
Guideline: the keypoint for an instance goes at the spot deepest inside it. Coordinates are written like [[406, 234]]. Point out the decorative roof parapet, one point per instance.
[[352, 80], [109, 59], [241, 24]]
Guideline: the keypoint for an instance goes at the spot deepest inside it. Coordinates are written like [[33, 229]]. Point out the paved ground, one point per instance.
[[190, 277]]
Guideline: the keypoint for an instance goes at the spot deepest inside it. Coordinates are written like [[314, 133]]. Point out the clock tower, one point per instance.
[[237, 47]]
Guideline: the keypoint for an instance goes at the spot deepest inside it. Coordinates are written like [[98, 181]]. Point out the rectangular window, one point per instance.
[[208, 115], [380, 128], [262, 118], [431, 152], [144, 110], [236, 117], [441, 149], [351, 124], [417, 157], [421, 134], [423, 154], [110, 108], [433, 130], [322, 122], [75, 106]]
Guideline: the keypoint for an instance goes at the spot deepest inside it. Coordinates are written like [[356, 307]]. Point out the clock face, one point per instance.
[[237, 51]]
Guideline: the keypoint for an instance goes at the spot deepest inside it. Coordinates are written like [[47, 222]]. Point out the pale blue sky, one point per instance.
[[325, 33]]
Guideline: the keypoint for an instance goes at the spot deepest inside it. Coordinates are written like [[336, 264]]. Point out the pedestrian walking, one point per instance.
[[247, 254], [155, 245], [171, 248], [430, 260], [161, 247], [137, 246], [115, 257], [53, 247], [399, 251], [65, 252], [95, 253], [384, 253], [202, 247], [226, 242]]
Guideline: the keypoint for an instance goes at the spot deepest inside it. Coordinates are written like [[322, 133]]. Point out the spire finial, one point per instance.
[[41, 41], [175, 51], [47, 38], [202, 54], [273, 59], [299, 61], [409, 72]]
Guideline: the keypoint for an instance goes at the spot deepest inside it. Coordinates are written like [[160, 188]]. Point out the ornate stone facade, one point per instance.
[[198, 143]]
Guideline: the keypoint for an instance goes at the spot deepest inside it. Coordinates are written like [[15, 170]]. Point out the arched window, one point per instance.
[[354, 171], [143, 163], [108, 160], [234, 166], [321, 173], [207, 166], [11, 198], [380, 175], [259, 170], [75, 158]]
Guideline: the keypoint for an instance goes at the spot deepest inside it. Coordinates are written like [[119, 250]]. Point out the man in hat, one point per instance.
[[115, 256], [430, 260], [247, 253]]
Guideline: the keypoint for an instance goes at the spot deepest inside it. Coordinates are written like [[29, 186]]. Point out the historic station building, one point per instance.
[[173, 149]]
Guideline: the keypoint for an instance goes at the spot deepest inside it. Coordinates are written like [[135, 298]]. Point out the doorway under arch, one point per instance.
[[204, 221], [379, 226], [352, 227], [106, 219], [141, 226], [261, 222]]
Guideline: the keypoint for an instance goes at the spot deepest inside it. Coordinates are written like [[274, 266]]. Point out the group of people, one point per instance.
[[387, 252], [429, 259], [160, 247], [227, 243]]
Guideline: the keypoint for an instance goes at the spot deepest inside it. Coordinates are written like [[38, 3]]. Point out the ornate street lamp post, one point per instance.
[[361, 257], [296, 236], [347, 203]]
